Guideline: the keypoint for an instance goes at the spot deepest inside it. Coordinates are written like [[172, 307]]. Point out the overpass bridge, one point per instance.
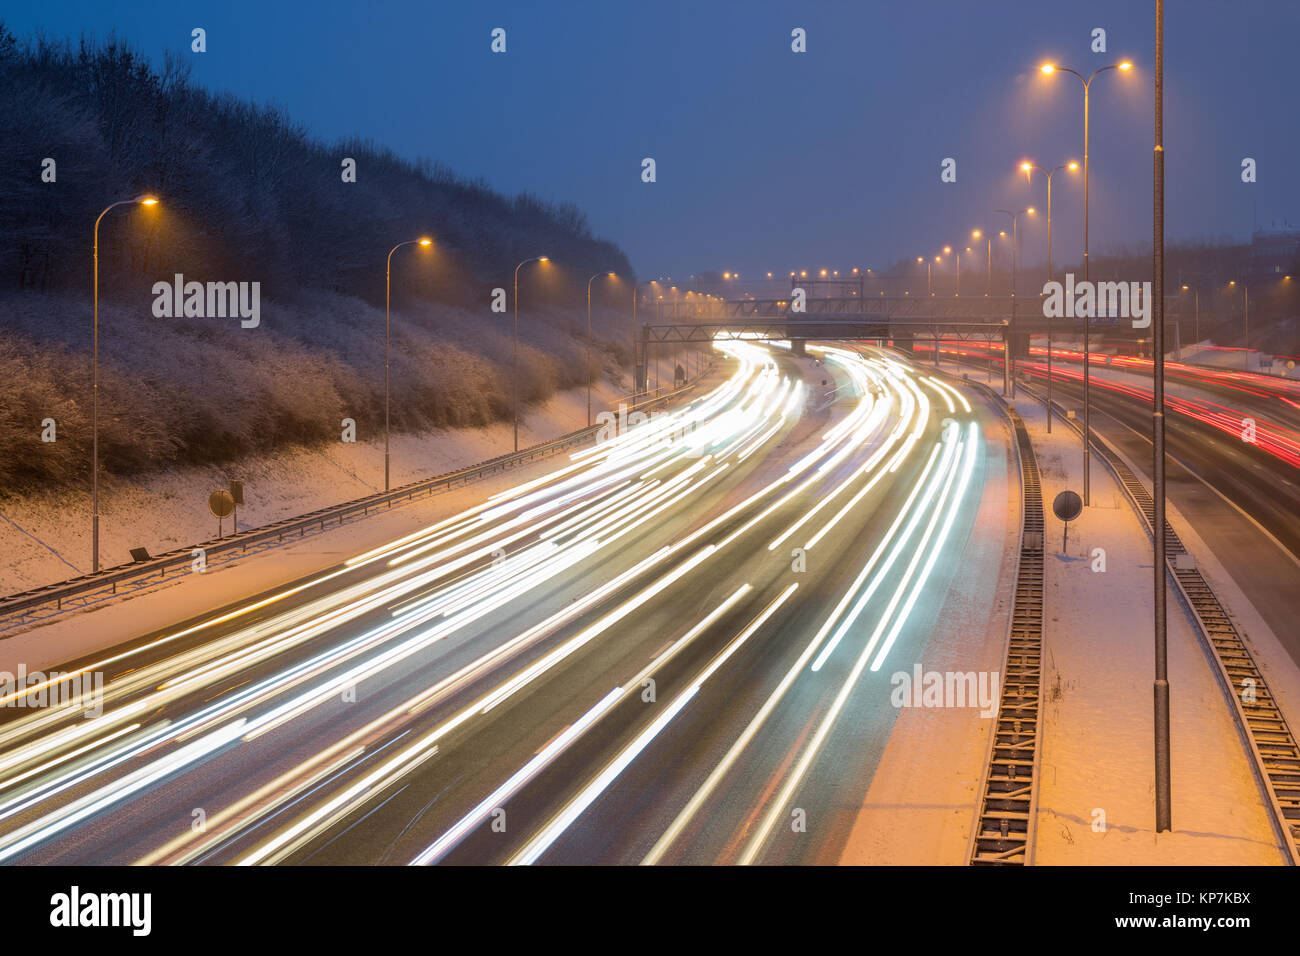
[[885, 318], [799, 328], [1025, 313]]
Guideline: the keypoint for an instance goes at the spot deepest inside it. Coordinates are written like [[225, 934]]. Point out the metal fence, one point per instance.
[[26, 607]]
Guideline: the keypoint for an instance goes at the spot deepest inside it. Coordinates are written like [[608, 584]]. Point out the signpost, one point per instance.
[[1067, 506], [237, 494], [222, 505]]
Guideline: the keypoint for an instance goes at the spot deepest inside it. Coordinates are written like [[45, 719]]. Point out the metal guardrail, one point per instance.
[[1003, 832], [1275, 756], [25, 607]]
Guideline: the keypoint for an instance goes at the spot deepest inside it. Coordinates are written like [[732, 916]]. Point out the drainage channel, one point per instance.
[[1272, 745], [1004, 827]]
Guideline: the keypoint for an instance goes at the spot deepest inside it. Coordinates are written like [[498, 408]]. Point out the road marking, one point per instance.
[[1188, 468]]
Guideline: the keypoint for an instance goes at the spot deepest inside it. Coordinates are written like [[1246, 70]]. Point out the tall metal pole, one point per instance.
[[1087, 320], [636, 350], [588, 370], [1245, 292], [94, 412], [1049, 318], [514, 376], [1029, 168], [988, 261], [94, 382], [1015, 234], [388, 285], [1008, 380], [588, 362], [1158, 445], [514, 385], [1049, 223]]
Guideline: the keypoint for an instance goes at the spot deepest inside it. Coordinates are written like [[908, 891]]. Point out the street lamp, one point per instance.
[[947, 250], [988, 260], [641, 387], [1161, 683], [1196, 320], [589, 282], [515, 383], [144, 200], [1029, 168], [1048, 69], [1010, 379], [388, 287], [1245, 318]]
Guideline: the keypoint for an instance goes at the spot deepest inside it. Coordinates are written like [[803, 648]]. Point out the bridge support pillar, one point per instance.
[[901, 339], [797, 347]]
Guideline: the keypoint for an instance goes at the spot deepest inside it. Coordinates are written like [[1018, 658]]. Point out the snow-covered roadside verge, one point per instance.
[[1096, 800], [77, 633], [46, 537], [1235, 360], [1192, 355]]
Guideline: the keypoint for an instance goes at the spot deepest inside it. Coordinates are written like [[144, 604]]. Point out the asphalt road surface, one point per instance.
[[1242, 500], [667, 650]]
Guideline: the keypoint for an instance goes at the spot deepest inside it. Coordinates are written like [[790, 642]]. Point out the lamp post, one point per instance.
[[1029, 169], [1015, 236], [388, 295], [1196, 327], [934, 330], [1161, 684], [589, 282], [639, 387], [515, 377], [947, 251], [988, 261], [1048, 69], [94, 379], [1245, 317]]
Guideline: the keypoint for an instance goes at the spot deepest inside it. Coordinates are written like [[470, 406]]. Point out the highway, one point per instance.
[[1241, 497], [672, 648]]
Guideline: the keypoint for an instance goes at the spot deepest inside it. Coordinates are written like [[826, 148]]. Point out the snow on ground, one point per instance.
[[1279, 669], [1096, 749], [1194, 353], [72, 634], [1201, 354], [46, 538], [922, 800]]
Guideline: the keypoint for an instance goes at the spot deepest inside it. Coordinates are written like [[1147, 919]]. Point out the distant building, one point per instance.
[[1274, 251]]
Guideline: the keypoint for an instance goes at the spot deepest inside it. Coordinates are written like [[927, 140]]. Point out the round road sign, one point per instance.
[[221, 504], [1067, 505]]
